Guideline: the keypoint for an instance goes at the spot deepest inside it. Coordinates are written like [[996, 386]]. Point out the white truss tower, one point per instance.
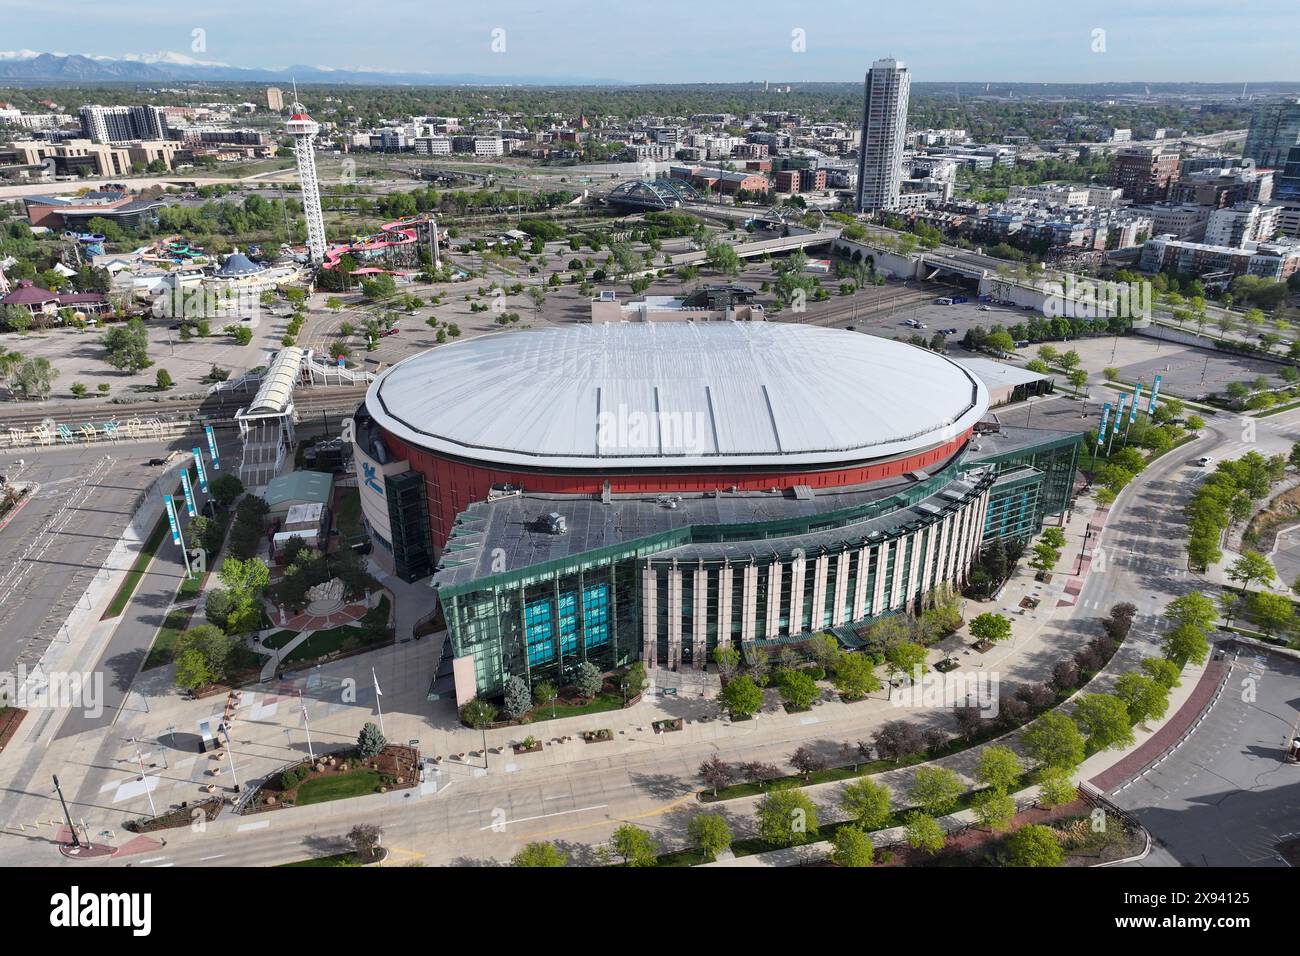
[[303, 129]]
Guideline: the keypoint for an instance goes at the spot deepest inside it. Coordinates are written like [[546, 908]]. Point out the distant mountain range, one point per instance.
[[29, 66]]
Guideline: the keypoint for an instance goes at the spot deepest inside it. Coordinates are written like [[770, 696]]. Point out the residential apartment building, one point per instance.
[[884, 129], [1144, 173], [1274, 129], [120, 124]]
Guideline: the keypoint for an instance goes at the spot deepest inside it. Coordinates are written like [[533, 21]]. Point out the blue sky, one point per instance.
[[694, 40]]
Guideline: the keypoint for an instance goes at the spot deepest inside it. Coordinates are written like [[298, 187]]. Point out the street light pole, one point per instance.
[[66, 816]]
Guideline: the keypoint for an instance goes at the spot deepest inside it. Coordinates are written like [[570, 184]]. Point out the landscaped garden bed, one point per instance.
[[597, 736], [338, 776], [947, 664], [529, 745], [182, 816], [666, 726]]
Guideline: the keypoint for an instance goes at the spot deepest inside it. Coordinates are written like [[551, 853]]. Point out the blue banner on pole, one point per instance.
[[1137, 397], [212, 448], [203, 472], [171, 519], [1155, 393], [189, 493], [1105, 420]]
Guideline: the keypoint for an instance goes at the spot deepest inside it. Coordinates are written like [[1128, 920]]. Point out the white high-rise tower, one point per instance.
[[303, 129], [884, 129]]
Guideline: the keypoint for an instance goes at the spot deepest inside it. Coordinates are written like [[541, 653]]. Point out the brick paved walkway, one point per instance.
[[1168, 735]]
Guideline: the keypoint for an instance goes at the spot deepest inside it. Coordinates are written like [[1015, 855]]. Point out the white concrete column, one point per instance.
[[773, 628], [724, 606], [699, 619], [841, 588], [798, 568], [878, 602], [649, 614], [818, 619], [860, 585], [931, 566], [914, 567], [749, 594], [674, 617], [900, 573]]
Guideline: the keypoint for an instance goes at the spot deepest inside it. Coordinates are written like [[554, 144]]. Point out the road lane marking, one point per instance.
[[541, 816], [259, 825]]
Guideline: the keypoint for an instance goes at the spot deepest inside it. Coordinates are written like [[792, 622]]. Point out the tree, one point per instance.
[[540, 854], [1252, 566], [1034, 845], [587, 680], [1054, 741], [716, 772], [370, 741], [225, 488], [924, 833], [213, 649], [1194, 608], [867, 802], [825, 650], [518, 700], [806, 761], [990, 627], [999, 768], [1106, 721], [797, 689], [128, 347], [635, 846], [741, 698], [79, 390], [905, 658], [364, 838], [544, 692], [34, 378], [709, 831], [1272, 612], [477, 713], [635, 681], [1144, 698], [1163, 672], [855, 676], [192, 671], [1185, 643], [787, 818], [935, 790], [994, 809], [1056, 786], [898, 740], [727, 659], [852, 847]]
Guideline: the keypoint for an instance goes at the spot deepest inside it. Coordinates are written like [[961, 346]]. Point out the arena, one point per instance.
[[618, 491]]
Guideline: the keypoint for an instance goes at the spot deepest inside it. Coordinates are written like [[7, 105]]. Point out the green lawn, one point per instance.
[[278, 639], [599, 704], [354, 783], [348, 515], [138, 567], [333, 639], [160, 654]]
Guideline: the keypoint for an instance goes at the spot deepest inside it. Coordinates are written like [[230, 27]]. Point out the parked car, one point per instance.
[[1204, 461]]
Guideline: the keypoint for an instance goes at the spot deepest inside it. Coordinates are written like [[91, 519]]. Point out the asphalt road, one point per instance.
[[56, 543], [1227, 797]]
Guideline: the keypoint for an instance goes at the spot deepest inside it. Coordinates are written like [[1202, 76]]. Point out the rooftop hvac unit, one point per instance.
[[554, 523]]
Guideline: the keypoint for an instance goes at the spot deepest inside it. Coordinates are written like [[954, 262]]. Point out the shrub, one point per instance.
[[370, 741]]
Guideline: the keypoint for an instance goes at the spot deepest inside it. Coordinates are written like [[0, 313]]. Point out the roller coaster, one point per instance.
[[395, 242]]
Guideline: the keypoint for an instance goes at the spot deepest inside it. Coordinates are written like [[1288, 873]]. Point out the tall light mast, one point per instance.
[[303, 129]]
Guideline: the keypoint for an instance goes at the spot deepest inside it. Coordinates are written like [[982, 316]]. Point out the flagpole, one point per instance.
[[307, 724], [378, 694]]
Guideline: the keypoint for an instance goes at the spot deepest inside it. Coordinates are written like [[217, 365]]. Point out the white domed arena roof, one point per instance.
[[676, 394]]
